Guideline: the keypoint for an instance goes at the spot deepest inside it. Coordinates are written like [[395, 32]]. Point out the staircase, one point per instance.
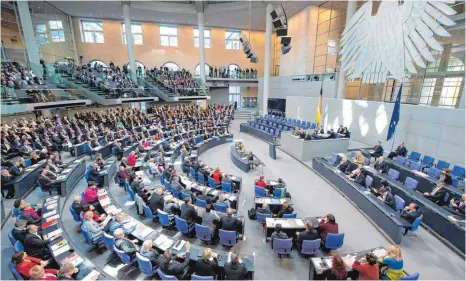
[[243, 115]]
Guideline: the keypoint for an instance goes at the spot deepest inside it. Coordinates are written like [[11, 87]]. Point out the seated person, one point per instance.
[[367, 267], [309, 234], [171, 207], [380, 165], [124, 244], [207, 265], [410, 213], [278, 233], [384, 184], [209, 217], [457, 205], [222, 201], [445, 177], [338, 270], [399, 151], [132, 158], [6, 177], [26, 208], [386, 197], [38, 273], [235, 269], [25, 263], [95, 217], [394, 261], [156, 201], [231, 223], [188, 212], [286, 209], [437, 195], [170, 266], [217, 176], [94, 175], [261, 183], [91, 197], [45, 181], [264, 209], [377, 150], [69, 271], [327, 225], [118, 222], [343, 165], [93, 228], [16, 170], [359, 158], [358, 176], [19, 232], [34, 245], [149, 252]]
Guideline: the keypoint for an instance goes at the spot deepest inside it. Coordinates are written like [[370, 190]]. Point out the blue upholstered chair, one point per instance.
[[226, 187], [442, 165], [145, 265], [182, 226], [203, 233], [282, 246], [410, 183], [399, 203], [310, 247], [164, 276], [334, 241], [261, 217], [227, 238], [290, 216], [393, 174], [109, 242]]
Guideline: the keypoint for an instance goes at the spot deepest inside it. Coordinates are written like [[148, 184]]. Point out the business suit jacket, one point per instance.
[[174, 267], [410, 215], [438, 196], [35, 247], [382, 166], [230, 223], [14, 171], [236, 271], [188, 213], [126, 246], [361, 179], [343, 167], [390, 200], [19, 234], [401, 151], [307, 235], [206, 268], [45, 181], [278, 235], [94, 175], [156, 202], [287, 210], [378, 150]]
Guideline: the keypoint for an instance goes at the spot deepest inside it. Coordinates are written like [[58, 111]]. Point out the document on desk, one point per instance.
[[299, 222], [142, 231], [349, 260], [53, 198], [104, 202], [91, 276], [66, 171], [54, 217], [328, 261], [61, 250], [106, 220], [59, 244], [52, 207], [380, 252], [61, 177], [231, 198], [101, 192], [49, 214], [54, 233]]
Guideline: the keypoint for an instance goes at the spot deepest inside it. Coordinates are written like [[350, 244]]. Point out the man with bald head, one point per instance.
[[231, 223]]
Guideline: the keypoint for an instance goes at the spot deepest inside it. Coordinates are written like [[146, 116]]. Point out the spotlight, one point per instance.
[[274, 15], [254, 59], [286, 40], [285, 49]]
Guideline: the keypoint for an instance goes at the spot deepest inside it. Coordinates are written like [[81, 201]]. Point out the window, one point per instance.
[[136, 30], [92, 31], [232, 40], [42, 34], [198, 70], [56, 31], [235, 90], [168, 36], [171, 66], [207, 41]]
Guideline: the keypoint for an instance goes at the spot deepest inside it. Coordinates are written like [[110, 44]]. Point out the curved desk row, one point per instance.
[[381, 214], [245, 128], [239, 161], [23, 183], [70, 176], [162, 242], [200, 148], [62, 247]]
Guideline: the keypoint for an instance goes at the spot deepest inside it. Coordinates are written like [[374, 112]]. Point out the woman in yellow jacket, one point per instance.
[[394, 262]]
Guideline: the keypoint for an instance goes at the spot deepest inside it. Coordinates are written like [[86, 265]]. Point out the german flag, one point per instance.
[[319, 108]]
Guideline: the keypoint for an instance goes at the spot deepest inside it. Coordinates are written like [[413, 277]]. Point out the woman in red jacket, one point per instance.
[[368, 267], [24, 263], [132, 158], [217, 175]]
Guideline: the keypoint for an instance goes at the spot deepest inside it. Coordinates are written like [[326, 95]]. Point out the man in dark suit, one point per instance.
[[399, 151], [358, 176], [170, 266], [156, 201], [124, 244], [235, 269], [386, 197], [380, 165], [340, 130], [343, 165], [94, 175], [19, 232], [378, 150], [16, 170], [437, 195], [45, 181], [34, 245], [410, 213], [457, 205], [286, 209], [231, 223], [309, 234], [188, 212]]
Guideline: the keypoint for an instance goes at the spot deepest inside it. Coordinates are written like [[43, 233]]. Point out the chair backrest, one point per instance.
[[279, 193], [165, 276], [333, 159], [212, 182], [175, 193], [201, 203], [11, 237], [399, 203], [282, 246], [310, 247], [410, 183], [258, 191], [458, 171], [164, 219], [261, 217], [192, 172], [200, 177], [123, 256], [414, 156], [227, 238], [15, 272], [400, 160], [427, 161], [226, 187], [433, 172], [442, 165], [369, 181], [27, 162], [181, 225], [131, 194], [203, 232], [417, 223], [197, 277], [148, 212], [220, 207], [40, 186], [185, 195], [144, 265], [334, 241], [290, 216], [393, 174], [109, 241], [86, 234], [75, 215], [17, 212], [18, 246], [414, 276], [415, 166]]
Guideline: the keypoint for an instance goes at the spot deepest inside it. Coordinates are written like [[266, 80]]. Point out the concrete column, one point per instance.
[[76, 57], [440, 80], [341, 83], [460, 102], [129, 41], [268, 45], [200, 20], [29, 37]]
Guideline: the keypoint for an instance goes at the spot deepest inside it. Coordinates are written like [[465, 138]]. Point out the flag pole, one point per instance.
[[394, 133]]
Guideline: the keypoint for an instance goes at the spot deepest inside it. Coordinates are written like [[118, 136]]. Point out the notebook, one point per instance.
[[54, 217], [48, 214], [59, 244], [61, 250], [91, 275]]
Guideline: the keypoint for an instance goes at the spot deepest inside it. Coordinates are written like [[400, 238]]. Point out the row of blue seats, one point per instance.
[[296, 123], [275, 132]]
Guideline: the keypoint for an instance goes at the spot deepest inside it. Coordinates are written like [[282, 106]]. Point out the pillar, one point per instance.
[[129, 41], [29, 37], [350, 10], [200, 19], [268, 45], [440, 80], [76, 58]]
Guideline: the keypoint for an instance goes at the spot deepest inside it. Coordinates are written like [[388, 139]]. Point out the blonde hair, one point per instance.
[[36, 272], [207, 253], [217, 170], [88, 215], [147, 244], [395, 252]]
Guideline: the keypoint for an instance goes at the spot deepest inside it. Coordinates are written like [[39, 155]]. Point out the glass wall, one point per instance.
[[12, 41], [440, 84], [53, 32]]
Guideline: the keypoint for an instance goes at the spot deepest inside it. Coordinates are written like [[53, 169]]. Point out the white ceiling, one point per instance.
[[225, 14]]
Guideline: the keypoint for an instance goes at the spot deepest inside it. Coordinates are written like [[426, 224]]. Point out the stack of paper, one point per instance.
[[51, 207], [54, 233], [91, 275], [299, 222], [349, 260], [380, 252], [143, 231], [59, 244], [54, 217], [61, 250], [48, 214]]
